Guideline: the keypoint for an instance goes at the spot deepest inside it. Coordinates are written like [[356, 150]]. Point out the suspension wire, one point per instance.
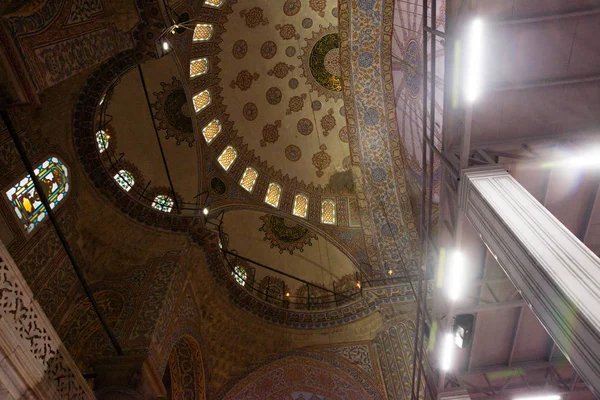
[[63, 240], [162, 153]]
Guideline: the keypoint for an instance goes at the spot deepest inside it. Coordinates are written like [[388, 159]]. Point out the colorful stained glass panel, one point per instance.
[[211, 130], [163, 203], [328, 212], [202, 32], [240, 275], [227, 157], [273, 194], [300, 206], [249, 179], [54, 178]]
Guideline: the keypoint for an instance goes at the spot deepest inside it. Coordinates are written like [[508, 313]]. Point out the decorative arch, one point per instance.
[[184, 375], [301, 373]]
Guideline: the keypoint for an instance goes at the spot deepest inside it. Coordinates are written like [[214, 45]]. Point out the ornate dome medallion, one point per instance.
[[321, 63]]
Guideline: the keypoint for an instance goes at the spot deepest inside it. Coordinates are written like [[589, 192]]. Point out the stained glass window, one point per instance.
[[300, 205], [273, 194], [125, 180], [211, 130], [227, 157], [328, 212], [201, 100], [202, 32], [249, 179], [198, 67], [102, 139], [240, 275], [54, 178], [163, 203], [214, 3]]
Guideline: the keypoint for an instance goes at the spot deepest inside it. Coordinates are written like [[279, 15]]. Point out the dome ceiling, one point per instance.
[[282, 86], [287, 246], [132, 141]]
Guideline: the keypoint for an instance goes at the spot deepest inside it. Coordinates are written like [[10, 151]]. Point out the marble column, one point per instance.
[[557, 275]]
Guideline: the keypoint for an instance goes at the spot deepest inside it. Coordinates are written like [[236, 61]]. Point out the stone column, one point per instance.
[[557, 275], [127, 378]]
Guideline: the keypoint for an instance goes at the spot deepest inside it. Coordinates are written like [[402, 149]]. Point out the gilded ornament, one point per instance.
[[296, 104], [173, 112], [287, 31], [321, 63], [270, 133], [285, 234], [244, 80], [254, 17], [318, 6], [321, 160], [280, 70], [328, 122]]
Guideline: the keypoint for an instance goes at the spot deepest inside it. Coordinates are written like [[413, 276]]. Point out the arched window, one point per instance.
[[203, 32], [273, 194], [201, 100], [54, 178], [227, 157], [328, 212], [102, 140], [198, 67], [300, 205], [211, 130], [240, 275], [249, 179], [125, 180], [163, 203], [214, 3]]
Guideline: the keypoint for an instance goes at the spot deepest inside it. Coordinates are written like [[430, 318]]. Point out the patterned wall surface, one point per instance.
[[316, 373], [187, 372], [395, 353], [387, 218]]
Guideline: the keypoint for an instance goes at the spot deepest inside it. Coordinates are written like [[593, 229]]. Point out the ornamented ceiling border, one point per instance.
[[371, 300], [386, 212]]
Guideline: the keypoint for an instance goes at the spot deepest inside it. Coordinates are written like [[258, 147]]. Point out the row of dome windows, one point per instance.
[[226, 160]]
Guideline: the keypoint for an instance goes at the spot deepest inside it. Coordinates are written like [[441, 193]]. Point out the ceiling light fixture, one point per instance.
[[539, 397], [205, 211], [456, 275], [447, 351], [474, 61], [165, 46]]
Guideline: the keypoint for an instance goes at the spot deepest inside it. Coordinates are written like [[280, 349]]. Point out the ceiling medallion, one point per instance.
[[268, 50], [321, 160], [250, 111], [273, 95], [305, 126], [173, 112], [254, 17], [321, 63], [287, 31], [328, 122], [240, 48], [318, 6], [280, 70], [291, 7], [284, 234], [293, 152], [244, 80], [270, 133], [296, 104]]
